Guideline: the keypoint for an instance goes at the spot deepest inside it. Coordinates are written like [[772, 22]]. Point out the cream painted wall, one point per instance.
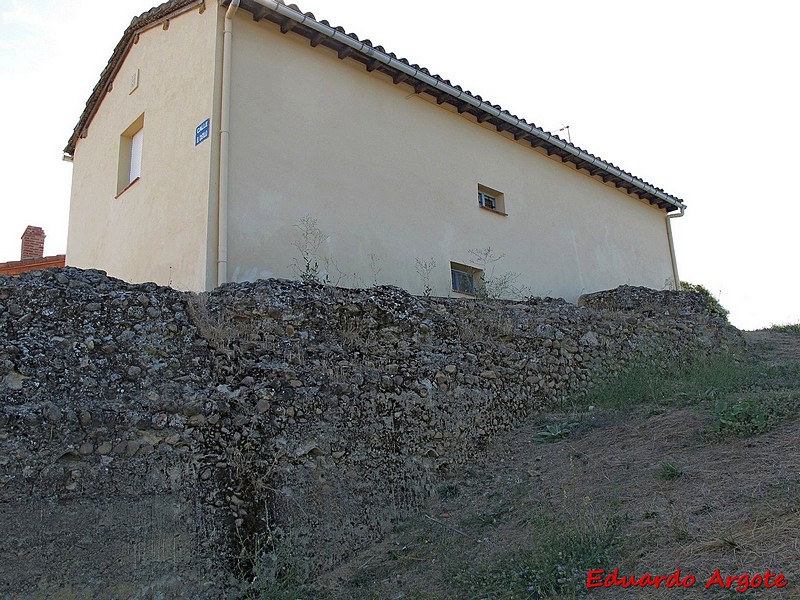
[[388, 173], [158, 229]]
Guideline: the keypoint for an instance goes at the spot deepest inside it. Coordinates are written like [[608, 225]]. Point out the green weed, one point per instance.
[[637, 385], [678, 520], [554, 432], [449, 491], [281, 591], [755, 414], [694, 379], [488, 519], [713, 306], [669, 471]]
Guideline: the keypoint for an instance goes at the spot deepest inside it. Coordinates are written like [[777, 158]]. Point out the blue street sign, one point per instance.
[[202, 131]]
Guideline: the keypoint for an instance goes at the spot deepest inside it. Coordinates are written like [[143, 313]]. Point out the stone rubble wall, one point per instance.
[[157, 442]]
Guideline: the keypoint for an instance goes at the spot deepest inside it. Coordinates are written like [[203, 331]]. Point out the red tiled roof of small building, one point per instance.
[[15, 267]]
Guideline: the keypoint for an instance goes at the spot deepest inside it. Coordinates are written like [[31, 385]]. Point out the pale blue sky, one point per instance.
[[698, 98]]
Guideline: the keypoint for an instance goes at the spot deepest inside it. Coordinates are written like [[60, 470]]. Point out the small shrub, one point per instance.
[[375, 267], [755, 414], [554, 432], [494, 286], [264, 567], [424, 270], [213, 323], [355, 334], [669, 471], [715, 309], [484, 326], [308, 244]]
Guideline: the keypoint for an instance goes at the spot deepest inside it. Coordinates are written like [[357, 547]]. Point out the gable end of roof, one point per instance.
[[137, 24]]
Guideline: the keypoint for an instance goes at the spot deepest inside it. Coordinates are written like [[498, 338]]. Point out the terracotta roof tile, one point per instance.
[[15, 267]]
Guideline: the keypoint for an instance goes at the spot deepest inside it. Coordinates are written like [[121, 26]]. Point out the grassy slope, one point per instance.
[[697, 470]]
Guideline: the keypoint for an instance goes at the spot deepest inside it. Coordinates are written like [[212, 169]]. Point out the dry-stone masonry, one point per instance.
[[160, 444]]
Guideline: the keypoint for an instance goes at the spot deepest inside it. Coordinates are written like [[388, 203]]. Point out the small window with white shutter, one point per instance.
[[136, 156], [131, 145]]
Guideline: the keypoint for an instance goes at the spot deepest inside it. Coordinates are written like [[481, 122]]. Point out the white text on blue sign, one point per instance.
[[202, 131]]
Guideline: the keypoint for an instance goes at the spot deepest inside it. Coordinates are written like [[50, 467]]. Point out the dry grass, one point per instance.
[[356, 334], [486, 324], [214, 325]]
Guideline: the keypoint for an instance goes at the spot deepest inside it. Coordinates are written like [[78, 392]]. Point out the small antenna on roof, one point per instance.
[[565, 128]]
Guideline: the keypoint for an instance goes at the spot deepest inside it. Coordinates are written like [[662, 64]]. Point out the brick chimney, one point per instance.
[[32, 242]]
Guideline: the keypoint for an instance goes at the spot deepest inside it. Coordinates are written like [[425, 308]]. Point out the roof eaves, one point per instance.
[[422, 80], [15, 267]]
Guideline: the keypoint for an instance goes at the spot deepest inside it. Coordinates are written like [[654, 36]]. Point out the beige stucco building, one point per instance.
[[216, 130]]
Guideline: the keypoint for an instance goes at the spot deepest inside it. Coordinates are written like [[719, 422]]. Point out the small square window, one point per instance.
[[465, 279], [491, 199], [131, 145], [487, 201]]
